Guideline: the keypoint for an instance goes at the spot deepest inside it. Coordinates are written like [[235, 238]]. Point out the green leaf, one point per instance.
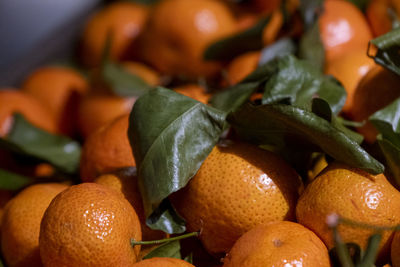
[[311, 47], [232, 46], [122, 82], [276, 124], [299, 82], [171, 135], [168, 250], [12, 181], [280, 48], [26, 139], [361, 4], [371, 252], [342, 250], [165, 218], [387, 122], [310, 11], [388, 46]]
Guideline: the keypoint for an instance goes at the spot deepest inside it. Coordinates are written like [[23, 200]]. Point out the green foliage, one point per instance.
[[28, 140], [12, 181]]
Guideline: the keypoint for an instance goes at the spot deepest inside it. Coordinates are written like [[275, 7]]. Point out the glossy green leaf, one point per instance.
[[387, 54], [280, 48], [299, 82], [165, 218], [168, 250], [311, 47], [239, 43], [387, 122], [12, 181], [28, 140], [122, 82], [170, 135], [276, 124]]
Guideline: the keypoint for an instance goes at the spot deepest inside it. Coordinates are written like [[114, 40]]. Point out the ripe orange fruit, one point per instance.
[[194, 91], [353, 194], [395, 251], [242, 66], [163, 262], [278, 244], [99, 110], [272, 29], [379, 17], [176, 46], [106, 150], [123, 20], [343, 28], [349, 69], [59, 89], [21, 224], [125, 181], [89, 225], [12, 101], [146, 73], [377, 89], [237, 188]]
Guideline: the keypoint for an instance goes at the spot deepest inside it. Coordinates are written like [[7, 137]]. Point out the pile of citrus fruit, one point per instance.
[[209, 133]]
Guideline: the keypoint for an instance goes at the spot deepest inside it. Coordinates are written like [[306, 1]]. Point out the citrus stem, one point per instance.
[[342, 250], [154, 242], [369, 226]]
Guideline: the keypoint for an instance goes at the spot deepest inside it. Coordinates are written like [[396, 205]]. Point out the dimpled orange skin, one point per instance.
[[395, 251], [176, 46], [378, 16], [107, 150], [343, 28], [59, 89], [353, 194], [242, 66], [12, 101], [125, 181], [194, 91], [278, 244], [21, 224], [237, 188], [124, 20], [89, 225], [163, 262], [377, 89], [349, 70]]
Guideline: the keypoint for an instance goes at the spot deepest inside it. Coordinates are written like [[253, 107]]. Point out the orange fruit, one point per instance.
[[343, 28], [378, 16], [273, 27], [242, 66], [377, 89], [125, 182], [106, 150], [163, 262], [146, 73], [99, 110], [12, 101], [349, 69], [89, 225], [176, 46], [123, 20], [21, 224], [355, 195], [237, 188], [59, 89], [278, 244], [395, 251], [194, 91]]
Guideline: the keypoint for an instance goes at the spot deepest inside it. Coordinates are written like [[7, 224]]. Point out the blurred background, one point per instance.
[[38, 31]]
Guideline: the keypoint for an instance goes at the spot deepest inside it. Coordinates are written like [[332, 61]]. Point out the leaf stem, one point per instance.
[[153, 242]]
